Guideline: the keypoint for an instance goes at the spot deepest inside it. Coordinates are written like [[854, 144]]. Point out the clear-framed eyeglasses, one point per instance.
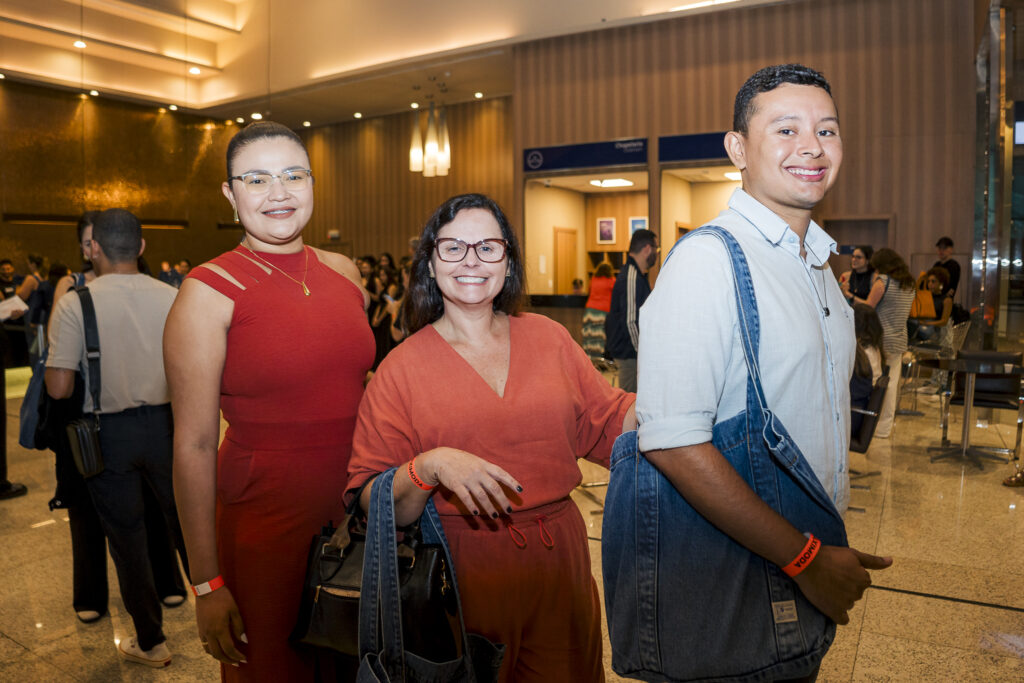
[[257, 182], [453, 250]]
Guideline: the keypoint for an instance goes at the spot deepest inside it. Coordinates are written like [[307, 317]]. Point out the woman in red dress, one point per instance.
[[274, 334], [489, 409]]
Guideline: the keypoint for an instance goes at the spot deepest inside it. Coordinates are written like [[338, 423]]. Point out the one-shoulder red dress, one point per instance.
[[292, 382]]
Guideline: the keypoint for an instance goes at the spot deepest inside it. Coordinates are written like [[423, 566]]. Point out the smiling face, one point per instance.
[[792, 151], [470, 283], [857, 261], [273, 221]]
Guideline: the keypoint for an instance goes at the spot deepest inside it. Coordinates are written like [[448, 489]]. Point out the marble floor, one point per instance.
[[950, 609]]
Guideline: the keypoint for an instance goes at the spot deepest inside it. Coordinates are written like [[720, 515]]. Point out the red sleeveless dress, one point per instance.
[[292, 382]]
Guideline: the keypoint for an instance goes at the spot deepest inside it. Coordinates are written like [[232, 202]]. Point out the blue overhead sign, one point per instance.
[[691, 147], [588, 155]]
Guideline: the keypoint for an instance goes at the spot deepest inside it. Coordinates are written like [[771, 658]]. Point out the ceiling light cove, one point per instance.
[[612, 182]]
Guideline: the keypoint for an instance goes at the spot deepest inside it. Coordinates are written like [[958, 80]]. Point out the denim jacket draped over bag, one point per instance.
[[684, 601]]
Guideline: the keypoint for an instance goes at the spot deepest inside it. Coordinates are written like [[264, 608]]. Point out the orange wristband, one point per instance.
[[411, 469], [805, 557], [208, 587]]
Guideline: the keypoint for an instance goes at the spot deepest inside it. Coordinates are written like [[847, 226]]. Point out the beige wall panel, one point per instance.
[[901, 72], [617, 205], [549, 208], [708, 200], [365, 190], [676, 207]]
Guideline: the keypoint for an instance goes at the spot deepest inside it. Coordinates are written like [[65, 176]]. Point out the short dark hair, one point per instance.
[[259, 130], [36, 260], [640, 239], [186, 261], [6, 261], [604, 269], [86, 220], [119, 234], [766, 80], [423, 302], [944, 243]]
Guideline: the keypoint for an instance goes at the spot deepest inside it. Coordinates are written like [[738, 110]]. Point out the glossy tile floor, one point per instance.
[[950, 609]]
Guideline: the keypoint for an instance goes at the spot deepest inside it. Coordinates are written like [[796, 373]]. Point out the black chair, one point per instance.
[[860, 441], [1002, 392]]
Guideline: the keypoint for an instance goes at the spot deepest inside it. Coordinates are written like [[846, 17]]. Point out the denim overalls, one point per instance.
[[686, 602]]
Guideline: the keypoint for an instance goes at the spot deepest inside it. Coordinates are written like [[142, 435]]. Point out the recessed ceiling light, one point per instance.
[[240, 120], [195, 71], [256, 116], [415, 105], [734, 175], [173, 107], [612, 182], [162, 110], [358, 115], [228, 122], [2, 77], [94, 93], [80, 44], [306, 124], [478, 95]]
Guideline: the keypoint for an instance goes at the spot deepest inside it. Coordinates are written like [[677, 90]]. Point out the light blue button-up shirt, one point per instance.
[[691, 371]]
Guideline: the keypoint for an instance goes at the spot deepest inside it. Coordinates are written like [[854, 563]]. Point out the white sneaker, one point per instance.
[[157, 656]]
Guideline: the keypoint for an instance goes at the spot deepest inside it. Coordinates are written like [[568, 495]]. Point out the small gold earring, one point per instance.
[[236, 215]]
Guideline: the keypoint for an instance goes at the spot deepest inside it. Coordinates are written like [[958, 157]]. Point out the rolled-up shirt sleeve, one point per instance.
[[688, 331]]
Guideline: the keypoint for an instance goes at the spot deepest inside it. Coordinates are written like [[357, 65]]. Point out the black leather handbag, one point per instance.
[[84, 432], [329, 610]]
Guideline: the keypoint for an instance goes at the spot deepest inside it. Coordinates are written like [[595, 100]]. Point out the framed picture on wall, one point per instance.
[[606, 231], [637, 223]]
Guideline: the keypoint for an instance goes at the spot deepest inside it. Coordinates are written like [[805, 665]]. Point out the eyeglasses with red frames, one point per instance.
[[451, 250]]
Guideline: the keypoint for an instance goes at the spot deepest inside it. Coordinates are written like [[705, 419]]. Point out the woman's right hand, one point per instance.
[[220, 626], [480, 485]]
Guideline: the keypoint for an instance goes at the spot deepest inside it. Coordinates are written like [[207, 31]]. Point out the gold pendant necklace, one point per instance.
[[305, 270]]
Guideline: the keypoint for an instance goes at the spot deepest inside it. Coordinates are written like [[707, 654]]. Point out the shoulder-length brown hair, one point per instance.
[[888, 262], [424, 303]]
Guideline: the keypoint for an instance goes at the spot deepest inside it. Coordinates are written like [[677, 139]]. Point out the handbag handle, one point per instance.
[[380, 603]]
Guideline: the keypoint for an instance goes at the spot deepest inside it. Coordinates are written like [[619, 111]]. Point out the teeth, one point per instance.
[[805, 171], [470, 280]]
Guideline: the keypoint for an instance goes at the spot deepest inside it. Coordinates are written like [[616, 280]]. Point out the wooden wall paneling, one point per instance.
[[901, 72]]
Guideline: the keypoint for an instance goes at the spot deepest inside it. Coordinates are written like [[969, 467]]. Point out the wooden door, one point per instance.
[[565, 259]]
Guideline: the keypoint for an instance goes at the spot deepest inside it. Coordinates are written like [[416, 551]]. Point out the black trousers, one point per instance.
[[89, 554], [137, 452]]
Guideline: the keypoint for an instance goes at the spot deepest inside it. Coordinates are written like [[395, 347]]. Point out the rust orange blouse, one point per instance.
[[556, 408]]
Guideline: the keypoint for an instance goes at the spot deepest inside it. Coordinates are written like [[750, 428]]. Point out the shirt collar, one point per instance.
[[817, 242]]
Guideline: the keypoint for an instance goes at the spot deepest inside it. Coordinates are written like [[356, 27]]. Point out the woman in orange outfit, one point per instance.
[[489, 409]]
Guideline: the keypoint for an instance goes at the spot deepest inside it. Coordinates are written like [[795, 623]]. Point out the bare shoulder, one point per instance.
[[199, 304], [343, 265]]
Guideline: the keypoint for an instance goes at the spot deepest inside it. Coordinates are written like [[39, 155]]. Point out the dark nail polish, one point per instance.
[[509, 509], [494, 515], [476, 512], [519, 488]]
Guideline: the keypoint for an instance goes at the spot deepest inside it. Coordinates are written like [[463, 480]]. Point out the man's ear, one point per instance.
[[142, 247], [736, 148]]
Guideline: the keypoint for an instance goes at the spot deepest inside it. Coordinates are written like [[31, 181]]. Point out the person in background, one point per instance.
[[381, 315], [136, 428], [856, 282], [249, 507], [28, 291], [577, 287], [891, 296], [925, 328], [184, 267], [385, 260], [631, 290], [944, 249], [868, 364], [8, 279], [487, 410], [368, 273], [596, 310], [169, 275]]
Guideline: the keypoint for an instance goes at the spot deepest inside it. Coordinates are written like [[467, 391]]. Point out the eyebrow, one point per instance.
[[283, 170], [795, 117]]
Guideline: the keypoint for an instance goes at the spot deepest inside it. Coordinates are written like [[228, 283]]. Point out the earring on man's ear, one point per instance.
[[236, 215]]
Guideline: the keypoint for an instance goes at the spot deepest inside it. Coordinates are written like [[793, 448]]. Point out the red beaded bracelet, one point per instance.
[[805, 557], [411, 469], [208, 587]]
